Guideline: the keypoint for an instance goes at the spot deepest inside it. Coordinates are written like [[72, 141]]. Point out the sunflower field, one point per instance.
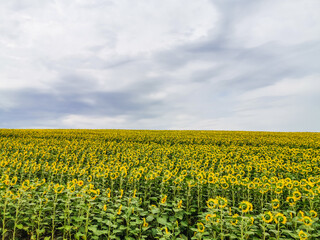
[[143, 184]]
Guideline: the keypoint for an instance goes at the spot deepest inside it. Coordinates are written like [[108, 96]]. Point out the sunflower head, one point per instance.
[[303, 235], [234, 220], [212, 203], [275, 203], [200, 227], [245, 206], [280, 218], [223, 202], [307, 221], [313, 214], [291, 201], [267, 217]]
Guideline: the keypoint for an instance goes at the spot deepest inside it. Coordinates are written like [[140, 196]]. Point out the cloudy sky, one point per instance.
[[169, 64]]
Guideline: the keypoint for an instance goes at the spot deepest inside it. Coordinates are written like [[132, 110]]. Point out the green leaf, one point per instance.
[[149, 218], [19, 226], [161, 220], [155, 210]]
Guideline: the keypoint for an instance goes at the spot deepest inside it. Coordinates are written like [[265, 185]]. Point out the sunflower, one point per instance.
[[89, 178], [297, 195], [164, 199], [145, 224], [234, 221], [119, 210], [313, 213], [278, 190], [245, 206], [252, 220], [267, 217], [208, 216], [105, 207], [303, 235], [225, 185], [180, 204], [275, 203], [307, 221], [291, 201], [200, 227], [289, 185], [223, 202], [134, 193], [212, 203], [280, 218]]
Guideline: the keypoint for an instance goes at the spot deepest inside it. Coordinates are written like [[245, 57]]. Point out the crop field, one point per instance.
[[134, 184]]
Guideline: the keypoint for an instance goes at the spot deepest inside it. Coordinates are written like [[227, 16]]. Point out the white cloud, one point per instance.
[[82, 121], [286, 87], [285, 22]]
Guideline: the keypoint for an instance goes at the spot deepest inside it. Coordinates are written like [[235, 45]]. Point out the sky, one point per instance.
[[170, 64]]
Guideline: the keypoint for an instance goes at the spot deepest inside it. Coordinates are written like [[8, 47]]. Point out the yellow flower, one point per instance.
[[313, 214], [80, 183], [291, 201], [212, 203], [164, 199], [200, 227], [280, 218], [252, 220], [245, 206], [223, 202], [119, 210], [14, 180], [108, 192], [105, 207], [166, 229], [235, 221], [275, 203], [134, 193], [180, 204], [208, 216], [225, 185], [267, 217], [89, 178], [307, 221], [303, 235], [278, 190], [145, 224], [121, 191]]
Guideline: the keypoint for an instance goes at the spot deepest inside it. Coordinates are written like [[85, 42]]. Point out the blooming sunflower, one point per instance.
[[234, 221], [267, 217], [297, 195], [303, 235], [164, 199], [275, 203], [212, 203], [307, 221], [291, 201], [313, 213], [223, 202], [200, 227], [245, 206], [280, 218]]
